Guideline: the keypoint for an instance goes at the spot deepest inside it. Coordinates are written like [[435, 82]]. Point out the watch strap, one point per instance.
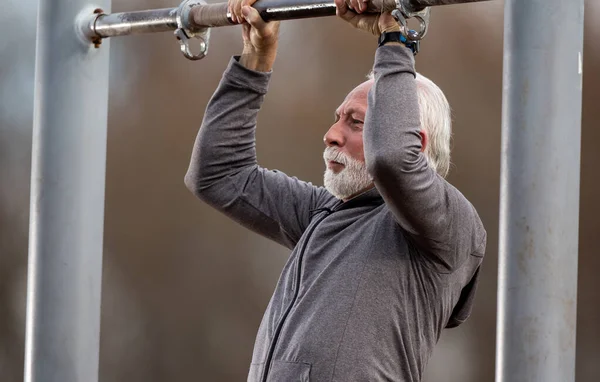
[[386, 37]]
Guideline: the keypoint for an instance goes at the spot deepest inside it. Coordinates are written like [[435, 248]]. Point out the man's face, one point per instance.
[[346, 174]]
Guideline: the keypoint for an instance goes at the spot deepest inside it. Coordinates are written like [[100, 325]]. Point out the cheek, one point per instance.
[[354, 145]]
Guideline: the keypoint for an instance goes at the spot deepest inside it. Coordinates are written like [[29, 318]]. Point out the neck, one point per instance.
[[358, 193]]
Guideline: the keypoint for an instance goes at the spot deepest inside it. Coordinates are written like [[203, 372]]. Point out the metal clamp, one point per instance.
[[185, 33], [404, 11]]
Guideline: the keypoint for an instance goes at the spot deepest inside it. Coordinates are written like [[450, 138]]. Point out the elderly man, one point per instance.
[[386, 255]]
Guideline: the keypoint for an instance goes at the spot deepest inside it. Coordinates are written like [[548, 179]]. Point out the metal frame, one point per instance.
[[539, 200], [67, 198], [539, 180]]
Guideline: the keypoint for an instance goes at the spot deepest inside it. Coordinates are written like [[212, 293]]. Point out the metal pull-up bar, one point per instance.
[[193, 18], [539, 206]]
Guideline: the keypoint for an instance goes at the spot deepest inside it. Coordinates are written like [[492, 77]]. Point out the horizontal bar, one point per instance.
[[283, 10], [122, 24], [432, 3], [215, 15]]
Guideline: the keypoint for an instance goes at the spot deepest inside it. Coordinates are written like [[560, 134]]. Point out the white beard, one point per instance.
[[353, 179]]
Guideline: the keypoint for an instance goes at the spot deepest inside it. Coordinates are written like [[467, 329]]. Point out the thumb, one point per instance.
[[253, 18]]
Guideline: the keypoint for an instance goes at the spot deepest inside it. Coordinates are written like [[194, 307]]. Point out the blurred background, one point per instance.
[[184, 288]]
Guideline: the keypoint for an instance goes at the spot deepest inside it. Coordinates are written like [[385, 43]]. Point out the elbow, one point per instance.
[[192, 183], [201, 182], [381, 167], [198, 175]]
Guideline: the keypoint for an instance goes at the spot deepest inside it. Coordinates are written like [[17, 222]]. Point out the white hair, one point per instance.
[[436, 121]]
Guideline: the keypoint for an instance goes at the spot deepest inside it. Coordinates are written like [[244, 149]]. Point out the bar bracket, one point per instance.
[[185, 32], [404, 11]]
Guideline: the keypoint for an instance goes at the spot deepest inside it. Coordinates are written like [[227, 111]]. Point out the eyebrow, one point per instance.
[[350, 111]]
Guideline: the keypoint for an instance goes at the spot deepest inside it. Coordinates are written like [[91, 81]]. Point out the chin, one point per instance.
[[347, 183], [335, 184]]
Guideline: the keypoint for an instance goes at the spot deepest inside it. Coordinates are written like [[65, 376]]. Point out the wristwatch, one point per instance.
[[386, 37]]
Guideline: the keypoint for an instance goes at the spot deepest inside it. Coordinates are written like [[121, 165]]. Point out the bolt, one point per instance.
[[97, 42]]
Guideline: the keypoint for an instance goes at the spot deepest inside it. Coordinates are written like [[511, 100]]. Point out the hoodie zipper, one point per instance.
[[279, 327]]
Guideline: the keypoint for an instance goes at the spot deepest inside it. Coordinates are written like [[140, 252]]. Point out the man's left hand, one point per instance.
[[374, 23]]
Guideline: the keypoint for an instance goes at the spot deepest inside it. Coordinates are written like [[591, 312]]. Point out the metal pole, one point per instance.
[[298, 9], [121, 24], [431, 3], [67, 199], [215, 15], [539, 201], [212, 15]]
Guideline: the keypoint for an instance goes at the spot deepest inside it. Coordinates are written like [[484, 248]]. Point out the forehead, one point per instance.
[[357, 98]]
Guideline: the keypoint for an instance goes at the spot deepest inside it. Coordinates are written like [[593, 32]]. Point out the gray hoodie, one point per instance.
[[370, 283]]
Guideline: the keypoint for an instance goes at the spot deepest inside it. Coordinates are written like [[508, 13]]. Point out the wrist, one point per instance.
[[263, 49], [260, 60], [398, 38], [389, 28]]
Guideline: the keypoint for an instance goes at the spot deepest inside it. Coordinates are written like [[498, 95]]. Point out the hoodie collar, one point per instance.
[[369, 197]]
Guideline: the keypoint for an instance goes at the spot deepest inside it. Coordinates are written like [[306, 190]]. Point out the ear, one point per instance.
[[424, 140]]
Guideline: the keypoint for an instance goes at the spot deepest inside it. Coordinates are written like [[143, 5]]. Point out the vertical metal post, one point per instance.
[[539, 206], [67, 198]]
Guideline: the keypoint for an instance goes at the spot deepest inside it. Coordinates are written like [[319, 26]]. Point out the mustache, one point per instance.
[[335, 155]]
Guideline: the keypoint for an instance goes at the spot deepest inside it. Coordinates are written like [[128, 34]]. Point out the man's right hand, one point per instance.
[[260, 37]]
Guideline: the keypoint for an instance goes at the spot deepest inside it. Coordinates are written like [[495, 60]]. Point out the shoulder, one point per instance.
[[466, 224]]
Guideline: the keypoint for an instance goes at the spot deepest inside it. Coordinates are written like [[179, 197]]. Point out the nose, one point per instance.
[[335, 135]]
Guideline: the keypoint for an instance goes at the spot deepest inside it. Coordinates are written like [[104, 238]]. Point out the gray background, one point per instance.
[[184, 288]]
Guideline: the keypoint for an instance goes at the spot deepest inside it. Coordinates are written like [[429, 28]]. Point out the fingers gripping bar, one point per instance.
[[215, 15]]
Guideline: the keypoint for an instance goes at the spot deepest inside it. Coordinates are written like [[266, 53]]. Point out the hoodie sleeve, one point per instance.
[[439, 218], [224, 172]]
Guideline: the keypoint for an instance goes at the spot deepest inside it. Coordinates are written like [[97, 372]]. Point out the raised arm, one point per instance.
[[223, 169], [435, 214]]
